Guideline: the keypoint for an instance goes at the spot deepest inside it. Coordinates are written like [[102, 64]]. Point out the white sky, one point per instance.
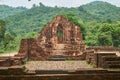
[[60, 3]]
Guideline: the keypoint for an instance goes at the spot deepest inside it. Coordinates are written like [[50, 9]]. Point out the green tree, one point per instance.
[[105, 39], [116, 37], [105, 35], [91, 40], [2, 29], [116, 34], [7, 39]]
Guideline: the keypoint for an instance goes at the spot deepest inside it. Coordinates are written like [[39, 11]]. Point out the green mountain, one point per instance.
[[103, 10], [35, 18], [99, 21], [6, 11]]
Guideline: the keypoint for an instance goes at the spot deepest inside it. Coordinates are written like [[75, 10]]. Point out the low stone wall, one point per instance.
[[103, 60], [111, 62], [104, 48], [89, 56], [63, 77], [11, 61], [4, 63], [30, 50], [14, 70], [20, 73], [99, 58], [101, 76]]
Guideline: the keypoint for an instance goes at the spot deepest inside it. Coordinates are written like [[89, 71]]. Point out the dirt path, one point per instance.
[[8, 54], [56, 65]]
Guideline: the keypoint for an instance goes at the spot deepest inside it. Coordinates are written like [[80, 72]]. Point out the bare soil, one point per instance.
[[8, 54]]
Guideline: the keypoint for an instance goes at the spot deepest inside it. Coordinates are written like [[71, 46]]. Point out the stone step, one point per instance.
[[114, 66], [57, 58], [79, 71], [112, 58], [113, 62], [4, 57], [13, 70]]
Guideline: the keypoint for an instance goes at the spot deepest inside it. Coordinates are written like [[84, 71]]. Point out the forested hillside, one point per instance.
[[6, 11], [99, 22], [103, 10], [35, 18]]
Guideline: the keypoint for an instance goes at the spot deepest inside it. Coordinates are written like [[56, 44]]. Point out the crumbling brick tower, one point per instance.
[[59, 37]]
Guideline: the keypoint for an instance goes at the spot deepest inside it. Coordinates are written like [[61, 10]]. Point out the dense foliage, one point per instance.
[[99, 23], [6, 11]]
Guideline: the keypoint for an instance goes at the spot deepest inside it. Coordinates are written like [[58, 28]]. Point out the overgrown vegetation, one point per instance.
[[99, 23]]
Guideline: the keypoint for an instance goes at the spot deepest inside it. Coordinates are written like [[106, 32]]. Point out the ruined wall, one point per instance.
[[23, 48], [69, 32], [30, 50], [104, 48], [61, 31], [11, 61], [58, 37], [103, 60], [103, 56]]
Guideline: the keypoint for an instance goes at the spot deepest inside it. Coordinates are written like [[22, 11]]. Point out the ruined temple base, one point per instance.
[[19, 73]]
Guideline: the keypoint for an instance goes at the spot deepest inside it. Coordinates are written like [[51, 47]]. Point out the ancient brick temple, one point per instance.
[[59, 37]]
